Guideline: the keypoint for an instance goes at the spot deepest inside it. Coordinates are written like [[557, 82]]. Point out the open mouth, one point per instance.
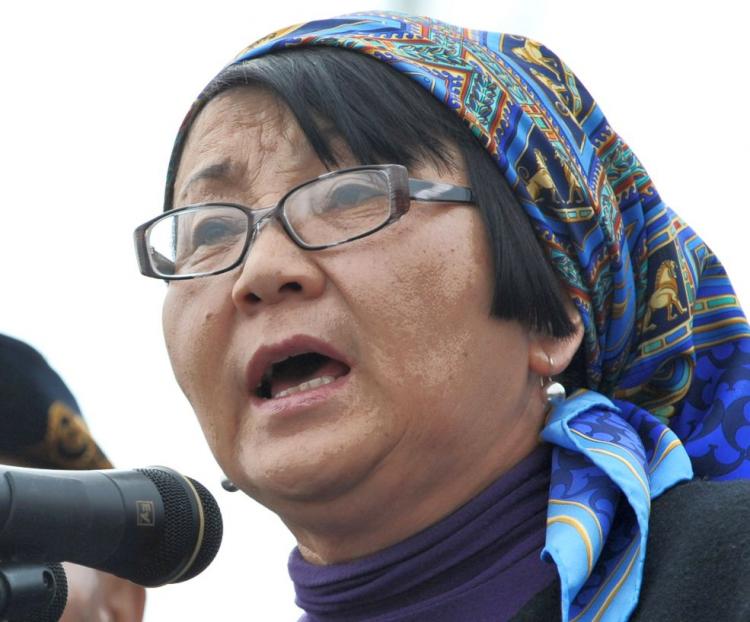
[[301, 372]]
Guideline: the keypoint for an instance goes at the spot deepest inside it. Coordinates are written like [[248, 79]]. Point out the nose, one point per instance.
[[275, 270]]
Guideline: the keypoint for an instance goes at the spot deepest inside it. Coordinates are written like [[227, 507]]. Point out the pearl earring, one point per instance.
[[553, 391], [228, 485]]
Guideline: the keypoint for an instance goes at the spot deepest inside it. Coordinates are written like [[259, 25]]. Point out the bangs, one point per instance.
[[341, 94]]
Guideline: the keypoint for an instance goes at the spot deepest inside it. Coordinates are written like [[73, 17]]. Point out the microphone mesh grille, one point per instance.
[[179, 529], [51, 612], [212, 532]]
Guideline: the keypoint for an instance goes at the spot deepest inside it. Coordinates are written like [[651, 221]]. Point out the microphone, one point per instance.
[[151, 526], [32, 592]]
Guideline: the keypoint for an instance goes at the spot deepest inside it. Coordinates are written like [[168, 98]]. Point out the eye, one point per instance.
[[347, 195], [214, 231]]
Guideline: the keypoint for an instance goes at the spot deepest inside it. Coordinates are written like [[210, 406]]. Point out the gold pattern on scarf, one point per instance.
[[665, 295], [575, 192], [531, 52], [565, 90], [576, 104], [541, 180], [559, 90], [67, 443]]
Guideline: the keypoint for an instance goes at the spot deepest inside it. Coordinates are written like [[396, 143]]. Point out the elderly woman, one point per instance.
[[384, 236]]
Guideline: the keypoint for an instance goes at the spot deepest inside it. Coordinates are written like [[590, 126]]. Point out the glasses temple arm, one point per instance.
[[420, 190]]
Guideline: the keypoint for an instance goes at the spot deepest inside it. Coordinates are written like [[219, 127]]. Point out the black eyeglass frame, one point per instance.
[[402, 190]]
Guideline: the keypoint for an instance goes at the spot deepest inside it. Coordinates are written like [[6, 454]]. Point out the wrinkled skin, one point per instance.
[[441, 399]]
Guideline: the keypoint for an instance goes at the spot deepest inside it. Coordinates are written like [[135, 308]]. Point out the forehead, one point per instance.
[[236, 132], [253, 109]]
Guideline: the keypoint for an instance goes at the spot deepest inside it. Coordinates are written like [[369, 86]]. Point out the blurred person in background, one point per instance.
[[42, 427]]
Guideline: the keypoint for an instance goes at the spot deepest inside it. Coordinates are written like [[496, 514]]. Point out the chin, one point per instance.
[[303, 471]]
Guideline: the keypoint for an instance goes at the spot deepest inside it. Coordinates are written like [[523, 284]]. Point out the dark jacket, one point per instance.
[[697, 561]]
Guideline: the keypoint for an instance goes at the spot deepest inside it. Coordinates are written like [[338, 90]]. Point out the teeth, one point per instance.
[[310, 384]]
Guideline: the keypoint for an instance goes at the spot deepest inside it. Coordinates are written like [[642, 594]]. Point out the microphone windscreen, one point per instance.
[[52, 611], [213, 531], [192, 531]]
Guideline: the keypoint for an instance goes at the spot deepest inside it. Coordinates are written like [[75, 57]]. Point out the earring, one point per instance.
[[553, 391], [228, 485]]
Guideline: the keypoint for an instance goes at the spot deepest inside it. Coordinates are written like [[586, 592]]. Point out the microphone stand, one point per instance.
[[32, 592]]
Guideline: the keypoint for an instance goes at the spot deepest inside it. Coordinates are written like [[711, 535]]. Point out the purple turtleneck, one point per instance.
[[480, 563]]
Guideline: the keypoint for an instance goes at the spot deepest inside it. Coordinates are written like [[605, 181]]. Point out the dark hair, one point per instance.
[[385, 117]]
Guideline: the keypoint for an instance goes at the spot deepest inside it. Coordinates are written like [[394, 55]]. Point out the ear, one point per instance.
[[548, 355]]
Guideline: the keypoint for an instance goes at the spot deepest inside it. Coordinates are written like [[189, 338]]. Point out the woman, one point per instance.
[[370, 353]]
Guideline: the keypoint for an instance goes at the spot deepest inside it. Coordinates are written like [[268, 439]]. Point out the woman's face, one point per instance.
[[439, 394]]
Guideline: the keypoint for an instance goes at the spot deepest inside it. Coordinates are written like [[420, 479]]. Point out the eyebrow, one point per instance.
[[218, 170]]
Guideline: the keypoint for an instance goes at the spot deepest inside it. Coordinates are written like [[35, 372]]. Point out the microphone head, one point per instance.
[[192, 530], [60, 599], [54, 579], [212, 532]]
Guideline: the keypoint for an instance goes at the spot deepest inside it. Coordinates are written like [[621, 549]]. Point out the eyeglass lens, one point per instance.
[[209, 238]]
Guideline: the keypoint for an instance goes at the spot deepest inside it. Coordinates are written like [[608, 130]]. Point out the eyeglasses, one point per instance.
[[335, 208]]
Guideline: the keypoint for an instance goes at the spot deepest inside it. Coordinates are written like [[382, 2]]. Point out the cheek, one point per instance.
[[178, 323], [446, 264], [422, 292], [195, 332]]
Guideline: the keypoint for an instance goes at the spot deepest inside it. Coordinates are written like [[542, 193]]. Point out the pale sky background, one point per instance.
[[92, 95]]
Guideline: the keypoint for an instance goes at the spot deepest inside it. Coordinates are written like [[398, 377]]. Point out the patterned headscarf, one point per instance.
[[666, 344]]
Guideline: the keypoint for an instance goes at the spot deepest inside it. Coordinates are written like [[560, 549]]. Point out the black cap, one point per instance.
[[40, 422]]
